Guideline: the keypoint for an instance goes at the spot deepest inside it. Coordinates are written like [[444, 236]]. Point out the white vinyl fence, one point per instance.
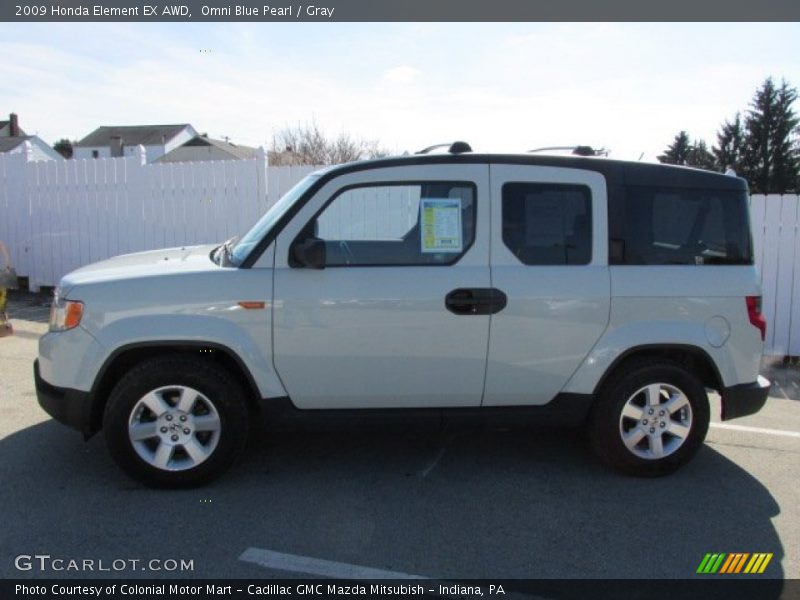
[[775, 219], [58, 215]]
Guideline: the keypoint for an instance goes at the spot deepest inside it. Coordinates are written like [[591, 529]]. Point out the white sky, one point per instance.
[[501, 87]]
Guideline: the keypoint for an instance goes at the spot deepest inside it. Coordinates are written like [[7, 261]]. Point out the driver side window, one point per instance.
[[430, 223]]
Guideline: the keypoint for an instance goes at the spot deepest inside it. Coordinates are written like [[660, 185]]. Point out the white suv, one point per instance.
[[611, 293]]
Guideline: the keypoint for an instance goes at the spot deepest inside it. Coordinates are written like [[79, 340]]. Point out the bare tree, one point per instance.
[[308, 145]]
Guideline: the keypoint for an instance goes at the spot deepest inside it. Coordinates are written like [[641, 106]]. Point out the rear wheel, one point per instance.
[[176, 422], [650, 419]]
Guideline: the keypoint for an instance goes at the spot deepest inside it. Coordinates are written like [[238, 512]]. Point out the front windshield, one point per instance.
[[242, 249]]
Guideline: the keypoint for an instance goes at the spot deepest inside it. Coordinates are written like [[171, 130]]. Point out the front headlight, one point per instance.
[[64, 314]]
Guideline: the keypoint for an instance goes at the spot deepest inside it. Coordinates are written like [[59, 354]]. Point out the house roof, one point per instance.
[[132, 135], [7, 144], [235, 150], [6, 123], [39, 146], [231, 148]]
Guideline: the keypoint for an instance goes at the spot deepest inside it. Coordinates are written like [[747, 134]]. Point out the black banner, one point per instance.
[[153, 11], [714, 588]]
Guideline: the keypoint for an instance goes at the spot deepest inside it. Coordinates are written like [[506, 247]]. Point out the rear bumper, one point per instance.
[[745, 399], [70, 407]]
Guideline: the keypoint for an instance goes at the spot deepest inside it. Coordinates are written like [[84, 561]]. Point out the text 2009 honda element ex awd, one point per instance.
[[616, 293]]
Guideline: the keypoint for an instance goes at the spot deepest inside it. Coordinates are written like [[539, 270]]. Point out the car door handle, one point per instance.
[[475, 301]]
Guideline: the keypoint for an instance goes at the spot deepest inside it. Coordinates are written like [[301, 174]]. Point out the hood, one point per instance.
[[153, 263]]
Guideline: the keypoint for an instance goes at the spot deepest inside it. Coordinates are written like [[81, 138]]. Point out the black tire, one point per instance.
[[214, 383], [605, 426]]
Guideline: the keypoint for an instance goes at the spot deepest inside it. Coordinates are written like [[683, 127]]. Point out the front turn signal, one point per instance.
[[65, 314]]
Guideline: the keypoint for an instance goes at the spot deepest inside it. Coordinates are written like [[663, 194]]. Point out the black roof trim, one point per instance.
[[616, 172]]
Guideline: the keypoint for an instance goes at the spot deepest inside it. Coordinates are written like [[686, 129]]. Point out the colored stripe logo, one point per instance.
[[735, 562]]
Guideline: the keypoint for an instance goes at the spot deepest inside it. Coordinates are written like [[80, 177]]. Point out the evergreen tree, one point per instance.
[[63, 147], [678, 151], [699, 156], [770, 159], [683, 151], [730, 145], [785, 144]]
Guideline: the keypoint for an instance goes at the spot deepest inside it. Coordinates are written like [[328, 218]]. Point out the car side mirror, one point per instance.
[[309, 253]]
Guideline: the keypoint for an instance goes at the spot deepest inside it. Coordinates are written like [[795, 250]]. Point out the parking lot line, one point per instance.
[[760, 430], [315, 566]]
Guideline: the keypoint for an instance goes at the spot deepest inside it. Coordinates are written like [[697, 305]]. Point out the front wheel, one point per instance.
[[176, 422], [650, 419]]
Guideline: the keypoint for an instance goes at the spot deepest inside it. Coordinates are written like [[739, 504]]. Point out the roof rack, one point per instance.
[[453, 148], [576, 150]]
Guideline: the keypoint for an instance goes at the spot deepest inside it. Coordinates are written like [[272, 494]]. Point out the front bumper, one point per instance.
[[71, 407], [745, 399]]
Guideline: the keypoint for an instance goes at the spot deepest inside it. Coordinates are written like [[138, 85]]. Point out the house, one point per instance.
[[11, 127], [202, 147], [122, 140], [39, 148], [13, 138]]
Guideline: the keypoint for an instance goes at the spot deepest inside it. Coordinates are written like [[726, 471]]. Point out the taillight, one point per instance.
[[754, 313]]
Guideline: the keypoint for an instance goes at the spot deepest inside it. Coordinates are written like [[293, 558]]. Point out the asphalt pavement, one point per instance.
[[469, 502]]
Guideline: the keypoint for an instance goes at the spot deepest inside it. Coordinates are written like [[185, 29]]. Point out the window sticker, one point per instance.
[[441, 225]]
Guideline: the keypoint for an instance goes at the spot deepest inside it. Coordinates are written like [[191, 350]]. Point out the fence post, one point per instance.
[[27, 150], [137, 203], [25, 229], [261, 177]]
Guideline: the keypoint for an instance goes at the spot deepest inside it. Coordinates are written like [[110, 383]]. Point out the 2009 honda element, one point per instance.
[[615, 292]]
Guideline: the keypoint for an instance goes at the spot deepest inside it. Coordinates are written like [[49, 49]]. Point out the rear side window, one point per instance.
[[427, 223], [548, 223], [681, 227]]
